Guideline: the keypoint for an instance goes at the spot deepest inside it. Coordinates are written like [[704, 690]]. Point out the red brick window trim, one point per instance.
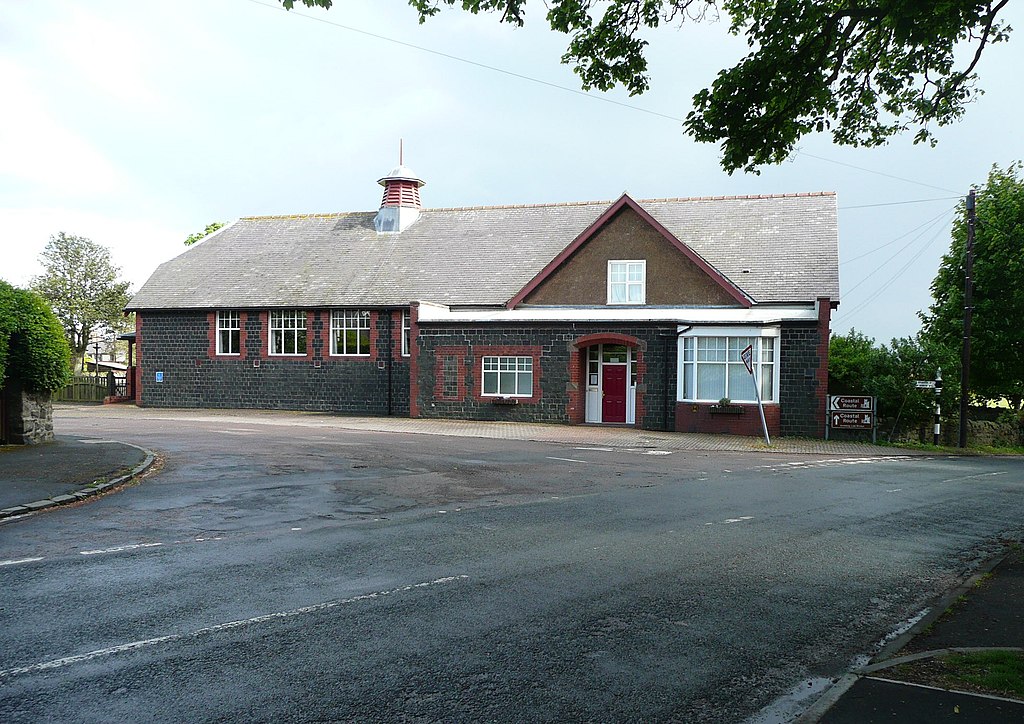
[[290, 318], [534, 352], [353, 334], [220, 324]]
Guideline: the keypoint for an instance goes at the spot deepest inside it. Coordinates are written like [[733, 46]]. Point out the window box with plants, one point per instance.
[[725, 407]]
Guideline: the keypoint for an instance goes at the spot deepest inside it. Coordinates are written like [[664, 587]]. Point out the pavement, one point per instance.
[[66, 471], [984, 613]]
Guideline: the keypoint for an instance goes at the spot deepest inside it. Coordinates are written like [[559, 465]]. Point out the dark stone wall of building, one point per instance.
[[559, 389], [178, 344], [800, 394]]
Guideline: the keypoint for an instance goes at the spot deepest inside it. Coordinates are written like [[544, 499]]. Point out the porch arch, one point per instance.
[[589, 340]]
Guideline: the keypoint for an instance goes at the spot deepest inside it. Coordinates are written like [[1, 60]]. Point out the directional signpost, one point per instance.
[[852, 412]]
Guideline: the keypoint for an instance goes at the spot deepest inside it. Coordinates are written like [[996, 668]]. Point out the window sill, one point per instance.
[[350, 356], [504, 400]]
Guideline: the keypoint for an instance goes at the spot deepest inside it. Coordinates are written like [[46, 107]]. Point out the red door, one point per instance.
[[613, 408]]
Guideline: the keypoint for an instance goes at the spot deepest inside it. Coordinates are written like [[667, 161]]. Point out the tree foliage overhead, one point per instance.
[[997, 344], [863, 70], [200, 235], [33, 350], [81, 284]]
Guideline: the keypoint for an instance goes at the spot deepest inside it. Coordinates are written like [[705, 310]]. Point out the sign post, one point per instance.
[[853, 412], [747, 355]]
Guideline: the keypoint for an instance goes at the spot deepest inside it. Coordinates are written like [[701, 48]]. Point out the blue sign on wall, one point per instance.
[[159, 376]]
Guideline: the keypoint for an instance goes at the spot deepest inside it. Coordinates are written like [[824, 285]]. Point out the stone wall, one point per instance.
[[801, 393], [181, 348], [558, 352], [29, 416]]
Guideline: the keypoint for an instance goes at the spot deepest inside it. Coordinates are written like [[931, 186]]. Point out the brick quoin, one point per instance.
[[414, 357], [138, 359]]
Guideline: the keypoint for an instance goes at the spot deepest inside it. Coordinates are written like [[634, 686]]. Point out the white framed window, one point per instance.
[[350, 332], [288, 332], [711, 368], [627, 282], [229, 333], [507, 376], [406, 332]]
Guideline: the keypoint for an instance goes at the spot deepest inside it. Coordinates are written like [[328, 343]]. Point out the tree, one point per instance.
[[80, 283], [857, 365], [200, 235], [33, 350], [864, 70], [997, 345]]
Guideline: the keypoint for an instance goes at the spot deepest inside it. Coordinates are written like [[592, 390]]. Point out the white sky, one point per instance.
[[136, 124]]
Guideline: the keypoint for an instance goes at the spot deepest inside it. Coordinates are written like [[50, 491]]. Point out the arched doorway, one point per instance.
[[611, 376]]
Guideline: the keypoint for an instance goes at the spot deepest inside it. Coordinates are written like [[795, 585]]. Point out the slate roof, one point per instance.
[[485, 255]]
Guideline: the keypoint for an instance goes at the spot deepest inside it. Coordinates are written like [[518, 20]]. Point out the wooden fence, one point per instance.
[[83, 388]]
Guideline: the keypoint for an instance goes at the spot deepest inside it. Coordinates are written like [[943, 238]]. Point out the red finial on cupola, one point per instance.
[[400, 206]]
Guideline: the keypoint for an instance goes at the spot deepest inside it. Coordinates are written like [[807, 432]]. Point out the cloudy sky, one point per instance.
[[136, 124]]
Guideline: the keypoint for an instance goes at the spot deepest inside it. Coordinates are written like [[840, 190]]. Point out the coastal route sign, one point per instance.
[[851, 412]]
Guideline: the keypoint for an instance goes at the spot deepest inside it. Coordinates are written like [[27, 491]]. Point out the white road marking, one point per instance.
[[979, 475], [118, 549], [566, 460], [20, 560], [596, 449], [894, 490], [236, 432], [296, 528], [145, 643], [741, 519], [657, 452]]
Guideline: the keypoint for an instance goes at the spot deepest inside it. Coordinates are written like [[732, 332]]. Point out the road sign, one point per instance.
[[747, 356], [853, 402], [852, 420], [924, 384]]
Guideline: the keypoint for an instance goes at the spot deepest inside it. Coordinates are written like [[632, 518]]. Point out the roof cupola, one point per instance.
[[400, 206]]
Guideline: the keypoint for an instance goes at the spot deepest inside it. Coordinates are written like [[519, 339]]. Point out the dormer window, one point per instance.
[[627, 282]]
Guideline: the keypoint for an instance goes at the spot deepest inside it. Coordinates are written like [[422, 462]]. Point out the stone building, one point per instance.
[[630, 312]]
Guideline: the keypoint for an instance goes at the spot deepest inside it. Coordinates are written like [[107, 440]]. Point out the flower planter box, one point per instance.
[[505, 401], [726, 410]]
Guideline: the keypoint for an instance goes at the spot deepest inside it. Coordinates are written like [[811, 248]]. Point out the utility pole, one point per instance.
[[965, 354]]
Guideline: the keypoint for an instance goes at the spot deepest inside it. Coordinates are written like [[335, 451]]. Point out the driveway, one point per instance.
[[282, 566]]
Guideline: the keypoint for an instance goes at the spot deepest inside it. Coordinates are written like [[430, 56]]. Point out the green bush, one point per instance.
[[33, 349]]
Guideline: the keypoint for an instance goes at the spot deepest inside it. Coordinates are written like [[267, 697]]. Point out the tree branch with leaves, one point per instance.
[[862, 70]]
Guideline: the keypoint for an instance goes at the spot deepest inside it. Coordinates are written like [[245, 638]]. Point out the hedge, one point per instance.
[[33, 349]]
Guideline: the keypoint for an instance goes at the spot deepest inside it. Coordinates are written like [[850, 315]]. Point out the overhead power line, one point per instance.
[[901, 236], [556, 86]]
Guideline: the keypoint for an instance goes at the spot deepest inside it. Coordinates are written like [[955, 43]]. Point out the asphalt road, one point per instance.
[[279, 571]]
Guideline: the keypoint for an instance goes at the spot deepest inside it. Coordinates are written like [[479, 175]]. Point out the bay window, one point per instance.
[[711, 367]]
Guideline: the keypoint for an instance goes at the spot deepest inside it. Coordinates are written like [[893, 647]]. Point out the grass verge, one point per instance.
[[985, 672]]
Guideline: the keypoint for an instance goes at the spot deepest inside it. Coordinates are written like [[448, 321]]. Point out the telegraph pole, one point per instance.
[[965, 354]]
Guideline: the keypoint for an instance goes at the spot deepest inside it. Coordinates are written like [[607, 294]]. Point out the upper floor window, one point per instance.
[[350, 332], [627, 282], [406, 332], [288, 332], [229, 333], [508, 376]]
